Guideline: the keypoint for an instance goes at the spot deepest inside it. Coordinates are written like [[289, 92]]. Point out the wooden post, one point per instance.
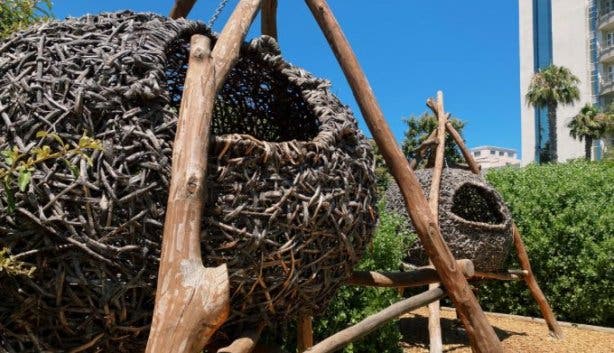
[[418, 277], [304, 328], [367, 325], [181, 8], [481, 334], [521, 252], [192, 301], [268, 18], [536, 292]]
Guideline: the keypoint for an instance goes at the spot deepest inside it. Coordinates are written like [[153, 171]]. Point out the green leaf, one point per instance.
[[25, 176], [10, 197]]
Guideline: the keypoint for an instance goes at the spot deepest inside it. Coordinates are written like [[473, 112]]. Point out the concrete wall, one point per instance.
[[571, 48]]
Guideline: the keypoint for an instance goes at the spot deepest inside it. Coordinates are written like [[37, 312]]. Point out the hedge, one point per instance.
[[565, 213]]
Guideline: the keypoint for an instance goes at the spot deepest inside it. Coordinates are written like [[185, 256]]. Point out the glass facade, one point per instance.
[[542, 54]]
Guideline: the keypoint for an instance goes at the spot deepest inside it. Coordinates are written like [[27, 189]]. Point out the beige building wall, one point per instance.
[[570, 48]]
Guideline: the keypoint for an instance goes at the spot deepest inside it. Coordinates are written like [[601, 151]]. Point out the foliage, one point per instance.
[[382, 174], [18, 14], [14, 267], [565, 213], [352, 304], [17, 167], [418, 130], [587, 125], [550, 87]]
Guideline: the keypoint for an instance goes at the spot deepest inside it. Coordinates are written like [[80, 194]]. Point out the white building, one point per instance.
[[495, 157], [576, 34]]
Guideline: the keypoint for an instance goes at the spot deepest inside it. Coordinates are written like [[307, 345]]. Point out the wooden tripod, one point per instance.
[[191, 300]]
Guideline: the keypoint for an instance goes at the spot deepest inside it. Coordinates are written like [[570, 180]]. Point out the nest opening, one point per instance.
[[255, 99], [476, 204]]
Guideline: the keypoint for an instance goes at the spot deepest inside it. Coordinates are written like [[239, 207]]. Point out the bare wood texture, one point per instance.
[[502, 276], [536, 292], [304, 327], [473, 165], [521, 252], [415, 278], [181, 8], [268, 18], [435, 341], [367, 325], [481, 334], [226, 51], [246, 343], [192, 301]]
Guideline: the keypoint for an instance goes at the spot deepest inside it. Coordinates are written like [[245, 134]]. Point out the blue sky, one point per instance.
[[409, 49]]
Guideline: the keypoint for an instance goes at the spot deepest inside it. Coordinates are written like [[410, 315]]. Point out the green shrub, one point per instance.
[[565, 213], [352, 304]]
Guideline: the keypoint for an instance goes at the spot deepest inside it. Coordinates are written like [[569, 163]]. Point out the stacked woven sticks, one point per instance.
[[290, 199]]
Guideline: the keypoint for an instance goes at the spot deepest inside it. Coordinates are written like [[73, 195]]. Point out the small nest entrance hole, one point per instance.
[[476, 204], [256, 99]]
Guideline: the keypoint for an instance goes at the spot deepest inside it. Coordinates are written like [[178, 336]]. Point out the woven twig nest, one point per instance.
[[474, 220], [290, 203]]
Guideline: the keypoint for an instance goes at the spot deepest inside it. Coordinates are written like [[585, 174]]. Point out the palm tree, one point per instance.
[[550, 87], [587, 126]]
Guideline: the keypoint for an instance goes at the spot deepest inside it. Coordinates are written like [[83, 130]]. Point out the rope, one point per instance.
[[217, 13]]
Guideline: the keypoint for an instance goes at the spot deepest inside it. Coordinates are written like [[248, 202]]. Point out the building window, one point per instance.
[[510, 154], [609, 73], [492, 152], [609, 39], [476, 153], [501, 153], [606, 6]]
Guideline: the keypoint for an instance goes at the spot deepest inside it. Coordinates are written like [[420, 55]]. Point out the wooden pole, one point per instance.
[[181, 8], [481, 334], [268, 18], [418, 277], [502, 276], [521, 252], [536, 292], [435, 342], [304, 339], [369, 324], [246, 343], [192, 301]]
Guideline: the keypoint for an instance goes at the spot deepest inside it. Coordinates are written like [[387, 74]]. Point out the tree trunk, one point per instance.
[[552, 136], [588, 144]]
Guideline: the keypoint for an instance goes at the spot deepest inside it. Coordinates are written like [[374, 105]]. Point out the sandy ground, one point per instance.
[[517, 336]]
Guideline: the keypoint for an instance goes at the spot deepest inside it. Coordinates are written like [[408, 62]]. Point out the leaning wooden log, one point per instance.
[[181, 8], [481, 334], [536, 292], [521, 252], [246, 342], [304, 328], [268, 18], [501, 276], [415, 278], [369, 324], [192, 301]]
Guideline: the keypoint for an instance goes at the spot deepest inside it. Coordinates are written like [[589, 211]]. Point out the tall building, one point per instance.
[[576, 34]]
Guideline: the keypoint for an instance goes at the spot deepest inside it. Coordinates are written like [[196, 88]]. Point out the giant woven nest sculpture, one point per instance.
[[474, 220], [290, 204]]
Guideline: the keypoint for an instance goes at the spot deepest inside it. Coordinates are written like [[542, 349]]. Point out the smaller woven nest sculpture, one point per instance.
[[475, 222], [291, 191]]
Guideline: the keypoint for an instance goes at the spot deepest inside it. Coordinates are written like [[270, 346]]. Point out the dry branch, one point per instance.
[[481, 334], [246, 343], [304, 328], [374, 321], [268, 19], [415, 278]]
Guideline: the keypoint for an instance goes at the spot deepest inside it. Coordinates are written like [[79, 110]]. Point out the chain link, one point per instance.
[[217, 13]]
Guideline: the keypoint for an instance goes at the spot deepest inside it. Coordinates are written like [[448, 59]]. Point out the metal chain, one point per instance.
[[217, 13]]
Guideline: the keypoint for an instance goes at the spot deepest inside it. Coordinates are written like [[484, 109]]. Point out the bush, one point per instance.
[[565, 213], [352, 304]]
